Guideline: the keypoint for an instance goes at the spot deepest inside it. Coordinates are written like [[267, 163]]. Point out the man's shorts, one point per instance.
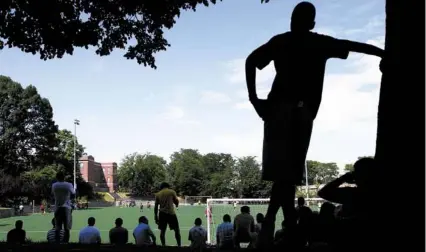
[[63, 218], [287, 134], [168, 219]]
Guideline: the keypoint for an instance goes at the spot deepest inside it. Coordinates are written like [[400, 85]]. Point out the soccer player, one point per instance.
[[141, 207], [208, 214], [42, 210], [300, 58], [164, 212], [235, 205], [148, 205], [62, 192], [21, 209]]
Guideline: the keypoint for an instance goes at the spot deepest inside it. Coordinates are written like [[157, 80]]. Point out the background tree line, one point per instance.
[[213, 174], [32, 148]]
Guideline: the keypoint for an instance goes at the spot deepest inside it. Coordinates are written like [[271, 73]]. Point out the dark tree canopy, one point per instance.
[[53, 28], [27, 130]]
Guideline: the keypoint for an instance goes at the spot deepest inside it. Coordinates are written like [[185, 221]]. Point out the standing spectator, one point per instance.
[[118, 235], [244, 227], [17, 235], [165, 214], [197, 236], [143, 234], [62, 192], [51, 234], [90, 234], [225, 233], [259, 219]]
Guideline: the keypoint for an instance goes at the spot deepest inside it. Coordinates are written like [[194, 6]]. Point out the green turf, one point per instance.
[[37, 225]]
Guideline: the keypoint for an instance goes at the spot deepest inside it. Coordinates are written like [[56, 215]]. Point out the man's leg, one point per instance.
[[163, 236], [266, 235], [162, 225], [67, 224], [288, 192], [59, 219], [174, 224]]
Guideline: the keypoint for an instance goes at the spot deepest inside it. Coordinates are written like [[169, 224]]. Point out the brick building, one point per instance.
[[102, 176]]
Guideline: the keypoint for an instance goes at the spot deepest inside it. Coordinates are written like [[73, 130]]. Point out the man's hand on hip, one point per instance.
[[261, 107]]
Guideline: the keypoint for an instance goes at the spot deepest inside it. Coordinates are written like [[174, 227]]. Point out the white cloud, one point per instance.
[[243, 105], [213, 97], [236, 73], [173, 113], [373, 26]]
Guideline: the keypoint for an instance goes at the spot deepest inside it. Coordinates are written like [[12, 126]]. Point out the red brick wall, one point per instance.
[[100, 175]]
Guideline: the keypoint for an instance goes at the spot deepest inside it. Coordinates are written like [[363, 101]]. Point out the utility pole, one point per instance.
[[76, 122]]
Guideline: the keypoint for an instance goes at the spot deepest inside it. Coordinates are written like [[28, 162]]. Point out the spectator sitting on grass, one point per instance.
[[90, 234], [197, 236], [143, 234], [16, 235], [51, 238], [225, 233], [118, 235]]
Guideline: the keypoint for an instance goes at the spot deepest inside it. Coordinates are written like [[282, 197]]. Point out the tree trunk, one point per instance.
[[400, 160]]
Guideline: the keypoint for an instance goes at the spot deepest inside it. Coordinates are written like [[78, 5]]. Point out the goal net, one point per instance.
[[196, 200], [219, 207]]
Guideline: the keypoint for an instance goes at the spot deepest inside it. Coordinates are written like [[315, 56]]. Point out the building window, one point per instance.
[[108, 180]]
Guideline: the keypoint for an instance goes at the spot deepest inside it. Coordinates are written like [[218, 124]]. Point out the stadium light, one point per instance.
[[76, 122]]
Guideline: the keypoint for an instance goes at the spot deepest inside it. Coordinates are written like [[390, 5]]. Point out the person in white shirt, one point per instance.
[[143, 234], [197, 236], [21, 209], [90, 234], [62, 192]]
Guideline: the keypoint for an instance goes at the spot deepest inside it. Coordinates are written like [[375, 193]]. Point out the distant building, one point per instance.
[[102, 176]]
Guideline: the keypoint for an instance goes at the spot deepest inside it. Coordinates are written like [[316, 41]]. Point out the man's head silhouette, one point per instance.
[[303, 17]]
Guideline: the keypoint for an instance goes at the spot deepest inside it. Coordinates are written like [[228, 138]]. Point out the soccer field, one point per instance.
[[37, 225]]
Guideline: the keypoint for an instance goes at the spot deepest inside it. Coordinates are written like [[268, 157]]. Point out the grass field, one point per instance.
[[37, 225]]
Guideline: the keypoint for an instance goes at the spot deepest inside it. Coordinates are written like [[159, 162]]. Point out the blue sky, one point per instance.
[[197, 96]]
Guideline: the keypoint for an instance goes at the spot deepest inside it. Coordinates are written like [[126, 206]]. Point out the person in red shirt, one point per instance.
[[208, 214], [42, 210]]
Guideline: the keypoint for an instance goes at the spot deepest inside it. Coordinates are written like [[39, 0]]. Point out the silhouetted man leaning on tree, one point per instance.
[[299, 57]]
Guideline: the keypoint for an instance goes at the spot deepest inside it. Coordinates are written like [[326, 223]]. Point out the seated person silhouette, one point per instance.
[[354, 200], [16, 235], [300, 58]]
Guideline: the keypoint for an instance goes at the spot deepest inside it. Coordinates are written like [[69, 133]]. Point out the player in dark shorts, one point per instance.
[[141, 207], [164, 212], [300, 58], [148, 205]]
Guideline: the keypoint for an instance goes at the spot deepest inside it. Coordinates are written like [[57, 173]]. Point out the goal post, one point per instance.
[[219, 207], [190, 200]]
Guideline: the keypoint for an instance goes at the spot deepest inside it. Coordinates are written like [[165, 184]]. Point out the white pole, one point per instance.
[[307, 183], [208, 222], [76, 122]]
